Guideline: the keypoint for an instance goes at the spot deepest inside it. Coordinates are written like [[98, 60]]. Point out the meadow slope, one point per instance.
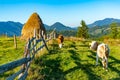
[[75, 61]]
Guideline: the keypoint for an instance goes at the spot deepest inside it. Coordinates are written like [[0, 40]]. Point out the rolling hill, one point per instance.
[[97, 28], [10, 28], [102, 27], [106, 21], [60, 27]]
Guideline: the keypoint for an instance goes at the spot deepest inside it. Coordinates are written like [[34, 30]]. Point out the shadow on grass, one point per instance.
[[85, 67], [110, 64], [51, 70], [84, 46], [6, 74], [115, 61], [54, 48], [93, 56], [115, 78], [50, 67]]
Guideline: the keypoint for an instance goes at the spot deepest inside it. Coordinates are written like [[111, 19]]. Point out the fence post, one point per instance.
[[43, 41], [26, 55], [15, 42]]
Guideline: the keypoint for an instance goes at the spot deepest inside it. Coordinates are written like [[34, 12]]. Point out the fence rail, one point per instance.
[[29, 54]]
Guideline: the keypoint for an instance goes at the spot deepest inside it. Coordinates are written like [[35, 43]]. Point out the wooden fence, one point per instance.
[[31, 48]]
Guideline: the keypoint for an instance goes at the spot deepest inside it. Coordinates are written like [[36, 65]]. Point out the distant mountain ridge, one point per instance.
[[14, 28], [102, 27], [106, 21], [60, 27], [10, 28]]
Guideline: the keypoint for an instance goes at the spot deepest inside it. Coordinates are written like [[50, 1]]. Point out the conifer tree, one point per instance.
[[83, 30]]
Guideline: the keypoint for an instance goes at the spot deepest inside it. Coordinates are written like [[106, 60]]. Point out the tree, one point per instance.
[[114, 30], [83, 30]]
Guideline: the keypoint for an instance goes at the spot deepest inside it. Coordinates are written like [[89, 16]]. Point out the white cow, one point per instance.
[[103, 52]]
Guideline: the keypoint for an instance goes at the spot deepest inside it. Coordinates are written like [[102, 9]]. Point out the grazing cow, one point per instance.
[[60, 40], [102, 52]]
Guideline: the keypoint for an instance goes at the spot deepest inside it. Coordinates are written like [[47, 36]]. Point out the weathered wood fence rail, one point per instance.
[[32, 47]]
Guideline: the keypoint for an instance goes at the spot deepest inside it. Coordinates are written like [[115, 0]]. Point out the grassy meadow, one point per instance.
[[8, 53], [75, 61]]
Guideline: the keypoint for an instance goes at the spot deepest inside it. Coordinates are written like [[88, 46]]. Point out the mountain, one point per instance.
[[106, 21], [98, 28], [102, 27], [10, 28], [60, 27], [47, 27]]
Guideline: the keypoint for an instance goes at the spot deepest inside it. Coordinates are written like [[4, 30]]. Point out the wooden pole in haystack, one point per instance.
[[15, 42], [35, 35]]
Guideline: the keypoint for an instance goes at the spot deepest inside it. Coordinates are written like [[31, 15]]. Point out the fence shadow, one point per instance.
[[51, 70], [111, 64], [85, 67], [93, 56]]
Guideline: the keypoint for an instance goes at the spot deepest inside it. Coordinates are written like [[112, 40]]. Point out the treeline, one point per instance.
[[67, 33], [83, 31]]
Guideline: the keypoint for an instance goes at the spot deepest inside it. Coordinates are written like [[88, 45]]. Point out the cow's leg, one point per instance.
[[96, 59], [106, 64], [60, 45]]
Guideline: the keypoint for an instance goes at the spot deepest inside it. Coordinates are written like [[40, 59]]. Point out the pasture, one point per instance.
[[75, 61], [8, 53]]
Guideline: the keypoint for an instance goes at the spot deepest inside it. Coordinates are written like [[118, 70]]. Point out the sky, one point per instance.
[[68, 12]]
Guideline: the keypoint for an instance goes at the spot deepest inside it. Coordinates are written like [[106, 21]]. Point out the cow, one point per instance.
[[60, 40], [103, 52]]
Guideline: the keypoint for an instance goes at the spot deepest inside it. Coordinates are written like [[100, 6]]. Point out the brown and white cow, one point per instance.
[[103, 52], [60, 40]]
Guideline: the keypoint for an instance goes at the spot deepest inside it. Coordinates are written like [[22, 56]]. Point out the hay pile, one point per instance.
[[34, 22]]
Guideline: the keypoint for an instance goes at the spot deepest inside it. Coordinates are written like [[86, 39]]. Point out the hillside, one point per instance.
[[10, 28], [97, 28], [102, 27], [106, 21], [59, 27], [75, 61]]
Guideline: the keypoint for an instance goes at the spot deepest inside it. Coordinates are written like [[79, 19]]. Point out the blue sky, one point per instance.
[[68, 12]]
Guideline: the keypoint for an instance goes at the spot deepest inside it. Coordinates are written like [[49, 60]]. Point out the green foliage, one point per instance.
[[83, 30], [68, 33], [114, 30]]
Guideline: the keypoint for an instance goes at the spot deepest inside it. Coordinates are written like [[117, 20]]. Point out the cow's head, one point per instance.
[[93, 45]]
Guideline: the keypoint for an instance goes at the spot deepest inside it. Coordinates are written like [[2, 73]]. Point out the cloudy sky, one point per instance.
[[68, 12]]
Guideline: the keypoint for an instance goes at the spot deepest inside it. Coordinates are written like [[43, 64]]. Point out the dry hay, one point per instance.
[[74, 39], [33, 23]]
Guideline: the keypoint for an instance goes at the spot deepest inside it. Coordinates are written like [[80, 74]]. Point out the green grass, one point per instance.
[[75, 61], [8, 53]]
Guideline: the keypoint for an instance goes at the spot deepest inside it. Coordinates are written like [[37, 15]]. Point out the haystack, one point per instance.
[[34, 23]]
